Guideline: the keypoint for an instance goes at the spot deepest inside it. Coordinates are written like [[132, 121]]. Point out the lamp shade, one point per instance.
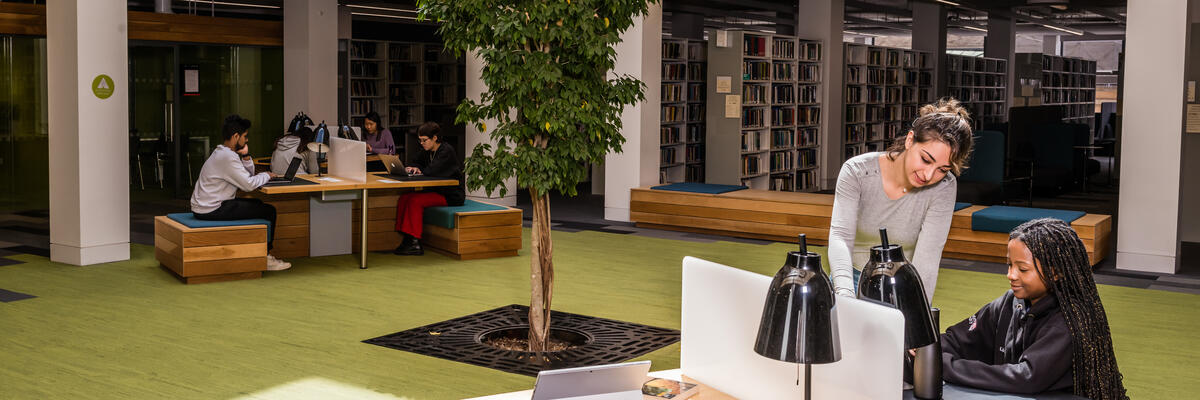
[[889, 278], [799, 320]]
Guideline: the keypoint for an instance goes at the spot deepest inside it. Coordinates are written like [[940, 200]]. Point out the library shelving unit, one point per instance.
[[884, 89], [764, 131], [681, 134], [979, 83], [407, 83], [1050, 80]]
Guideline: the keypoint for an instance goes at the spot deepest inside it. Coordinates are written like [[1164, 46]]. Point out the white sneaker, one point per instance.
[[275, 264]]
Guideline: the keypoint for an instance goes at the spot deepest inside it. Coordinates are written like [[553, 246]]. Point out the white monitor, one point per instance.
[[722, 307], [603, 382], [348, 159]]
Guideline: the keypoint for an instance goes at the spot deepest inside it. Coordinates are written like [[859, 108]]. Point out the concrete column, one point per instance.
[[1052, 45], [475, 89], [87, 50], [929, 34], [1001, 42], [822, 20], [1148, 231], [310, 50], [638, 55]]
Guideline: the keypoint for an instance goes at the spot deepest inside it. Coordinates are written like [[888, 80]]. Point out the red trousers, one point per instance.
[[410, 211]]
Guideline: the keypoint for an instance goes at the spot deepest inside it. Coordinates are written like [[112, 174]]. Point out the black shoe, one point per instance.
[[413, 249]]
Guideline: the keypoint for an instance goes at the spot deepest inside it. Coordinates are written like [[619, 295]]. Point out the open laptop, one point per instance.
[[290, 176], [602, 382], [396, 171]]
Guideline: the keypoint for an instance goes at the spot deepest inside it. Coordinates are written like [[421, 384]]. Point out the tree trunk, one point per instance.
[[541, 280]]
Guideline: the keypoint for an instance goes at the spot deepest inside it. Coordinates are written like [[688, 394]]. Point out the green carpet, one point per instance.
[[130, 330]]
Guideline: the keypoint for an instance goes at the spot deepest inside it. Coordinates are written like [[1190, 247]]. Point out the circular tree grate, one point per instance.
[[458, 340]]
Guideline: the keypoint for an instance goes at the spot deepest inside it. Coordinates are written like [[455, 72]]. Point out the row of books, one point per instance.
[[361, 106], [754, 94], [751, 165], [672, 114], [668, 135], [672, 50], [695, 71], [403, 115], [441, 94], [783, 94], [443, 73], [971, 95], [1053, 96], [695, 153], [783, 116], [969, 79], [667, 155], [750, 141], [364, 50], [783, 48], [967, 64], [695, 133], [752, 118], [400, 52], [403, 72], [756, 70], [782, 161], [672, 92], [364, 69], [402, 94], [364, 88], [695, 92], [695, 113], [694, 173], [1060, 79], [754, 46], [674, 72]]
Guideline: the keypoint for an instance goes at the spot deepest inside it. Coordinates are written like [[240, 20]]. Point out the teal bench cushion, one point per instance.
[[444, 216], [696, 187], [1004, 219], [189, 220], [960, 205]]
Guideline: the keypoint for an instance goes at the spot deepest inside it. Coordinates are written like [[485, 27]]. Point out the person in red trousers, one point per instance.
[[436, 159]]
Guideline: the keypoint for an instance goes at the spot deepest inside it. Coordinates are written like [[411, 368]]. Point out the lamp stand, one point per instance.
[[807, 381], [319, 154]]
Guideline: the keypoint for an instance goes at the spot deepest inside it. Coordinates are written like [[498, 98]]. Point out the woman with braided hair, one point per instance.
[[1048, 333]]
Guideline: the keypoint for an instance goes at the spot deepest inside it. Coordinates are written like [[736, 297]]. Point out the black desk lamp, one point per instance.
[[889, 278], [798, 323]]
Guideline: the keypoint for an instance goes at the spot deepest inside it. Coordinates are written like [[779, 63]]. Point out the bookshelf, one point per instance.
[[884, 88], [980, 85], [681, 134], [774, 117], [1049, 80], [407, 83]]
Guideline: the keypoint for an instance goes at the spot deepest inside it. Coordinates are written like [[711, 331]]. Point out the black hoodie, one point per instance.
[[1010, 346], [442, 163]]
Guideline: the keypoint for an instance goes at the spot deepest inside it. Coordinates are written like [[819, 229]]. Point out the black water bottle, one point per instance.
[[927, 367]]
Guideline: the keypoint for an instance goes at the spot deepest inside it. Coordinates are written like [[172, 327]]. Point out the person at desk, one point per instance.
[[228, 169], [379, 139], [1049, 332], [292, 145], [435, 159], [908, 189]]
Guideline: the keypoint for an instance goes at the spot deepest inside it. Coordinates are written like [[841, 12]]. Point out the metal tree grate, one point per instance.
[[457, 339]]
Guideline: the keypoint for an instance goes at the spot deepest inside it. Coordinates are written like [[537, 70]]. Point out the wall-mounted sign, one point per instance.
[[191, 80], [102, 86]]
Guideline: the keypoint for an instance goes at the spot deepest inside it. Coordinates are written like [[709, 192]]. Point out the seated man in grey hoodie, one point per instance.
[[294, 145]]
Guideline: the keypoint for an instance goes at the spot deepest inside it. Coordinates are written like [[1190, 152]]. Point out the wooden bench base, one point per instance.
[[200, 255], [780, 216]]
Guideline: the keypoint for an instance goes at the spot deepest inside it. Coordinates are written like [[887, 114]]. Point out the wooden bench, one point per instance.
[[467, 235], [964, 243], [780, 216], [210, 254], [754, 214]]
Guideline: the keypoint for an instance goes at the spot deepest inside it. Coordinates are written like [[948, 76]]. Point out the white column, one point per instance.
[[822, 20], [638, 55], [1152, 125], [929, 34], [310, 51], [89, 135], [1001, 42], [475, 89]]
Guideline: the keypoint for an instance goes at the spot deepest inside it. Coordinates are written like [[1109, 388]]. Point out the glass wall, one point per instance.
[[24, 136]]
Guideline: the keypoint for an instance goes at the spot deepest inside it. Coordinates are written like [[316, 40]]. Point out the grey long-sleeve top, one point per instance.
[[223, 174], [919, 222]]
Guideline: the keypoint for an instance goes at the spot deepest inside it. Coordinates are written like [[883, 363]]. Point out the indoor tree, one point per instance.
[[558, 105]]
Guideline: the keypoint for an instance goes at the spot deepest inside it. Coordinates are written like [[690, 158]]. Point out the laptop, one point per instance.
[[602, 382], [289, 177], [396, 171]]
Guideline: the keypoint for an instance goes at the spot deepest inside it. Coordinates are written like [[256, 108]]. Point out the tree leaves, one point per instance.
[[549, 87]]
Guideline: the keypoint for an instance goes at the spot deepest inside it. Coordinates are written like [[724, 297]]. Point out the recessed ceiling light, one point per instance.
[[948, 2]]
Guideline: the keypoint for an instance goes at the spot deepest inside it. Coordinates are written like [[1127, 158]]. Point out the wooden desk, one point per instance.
[[297, 213]]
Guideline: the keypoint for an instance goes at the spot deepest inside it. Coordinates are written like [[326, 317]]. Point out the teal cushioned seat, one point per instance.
[[961, 205], [189, 220], [444, 216], [1004, 219], [696, 187]]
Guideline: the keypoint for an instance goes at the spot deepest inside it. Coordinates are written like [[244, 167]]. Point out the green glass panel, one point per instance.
[[24, 136]]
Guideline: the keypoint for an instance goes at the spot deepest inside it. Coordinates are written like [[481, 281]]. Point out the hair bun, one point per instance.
[[947, 105]]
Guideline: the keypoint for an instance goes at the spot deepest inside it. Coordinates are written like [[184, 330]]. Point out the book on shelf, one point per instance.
[[672, 92], [674, 72], [751, 165], [695, 133], [752, 118], [754, 46], [668, 155], [669, 135], [695, 113], [808, 115], [672, 50], [783, 48], [695, 71], [782, 138], [694, 153], [754, 94], [363, 49], [695, 92], [672, 114], [750, 141], [756, 70], [364, 69]]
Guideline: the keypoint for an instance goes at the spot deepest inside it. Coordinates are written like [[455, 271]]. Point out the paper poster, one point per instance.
[[722, 38], [724, 84], [733, 106], [1191, 91], [1193, 118]]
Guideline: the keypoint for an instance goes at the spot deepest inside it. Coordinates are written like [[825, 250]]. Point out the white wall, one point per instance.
[[639, 55], [1147, 235], [475, 89], [89, 142]]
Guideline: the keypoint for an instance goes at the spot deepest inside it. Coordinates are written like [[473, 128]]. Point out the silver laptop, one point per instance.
[[602, 382]]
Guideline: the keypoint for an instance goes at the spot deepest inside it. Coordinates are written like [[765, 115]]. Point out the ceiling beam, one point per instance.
[[880, 24], [1106, 13]]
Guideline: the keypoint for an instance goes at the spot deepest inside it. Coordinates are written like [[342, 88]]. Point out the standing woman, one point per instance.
[[379, 139], [436, 159], [908, 189]]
